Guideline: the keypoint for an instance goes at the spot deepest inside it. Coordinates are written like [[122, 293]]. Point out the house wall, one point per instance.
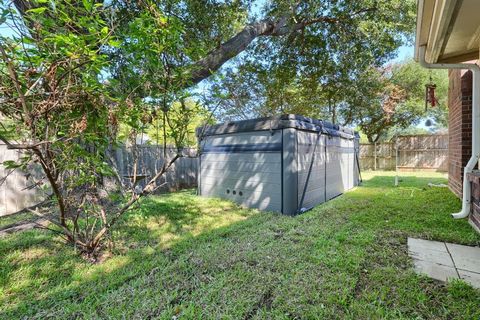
[[459, 126]]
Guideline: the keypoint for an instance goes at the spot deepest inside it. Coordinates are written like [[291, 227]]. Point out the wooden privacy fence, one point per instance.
[[183, 173], [16, 192], [427, 152]]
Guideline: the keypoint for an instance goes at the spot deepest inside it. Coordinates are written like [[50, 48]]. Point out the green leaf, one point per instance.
[[38, 10], [10, 164], [87, 4], [115, 43]]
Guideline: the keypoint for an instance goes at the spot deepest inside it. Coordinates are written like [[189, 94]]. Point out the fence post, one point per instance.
[[396, 161]]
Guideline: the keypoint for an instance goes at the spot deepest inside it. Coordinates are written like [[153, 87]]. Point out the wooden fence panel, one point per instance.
[[16, 195], [16, 191], [183, 173], [414, 152], [380, 156]]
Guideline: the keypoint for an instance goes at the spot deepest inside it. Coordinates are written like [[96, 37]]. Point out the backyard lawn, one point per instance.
[[181, 256]]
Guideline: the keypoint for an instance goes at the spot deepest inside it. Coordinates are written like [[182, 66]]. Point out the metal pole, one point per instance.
[[396, 161]]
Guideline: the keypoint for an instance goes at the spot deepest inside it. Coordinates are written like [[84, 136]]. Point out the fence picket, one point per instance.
[[415, 152], [183, 174]]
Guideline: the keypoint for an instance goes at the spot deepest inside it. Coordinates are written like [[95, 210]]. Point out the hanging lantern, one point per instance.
[[430, 94]]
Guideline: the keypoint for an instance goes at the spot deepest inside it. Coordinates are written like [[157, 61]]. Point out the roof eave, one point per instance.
[[434, 24]]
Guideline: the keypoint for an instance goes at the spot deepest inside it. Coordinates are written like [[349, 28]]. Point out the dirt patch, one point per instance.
[[265, 301]]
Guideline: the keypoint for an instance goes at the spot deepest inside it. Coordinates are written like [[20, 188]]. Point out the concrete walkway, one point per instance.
[[444, 261]]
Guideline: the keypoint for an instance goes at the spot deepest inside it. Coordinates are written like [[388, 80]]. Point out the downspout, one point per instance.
[[466, 200]]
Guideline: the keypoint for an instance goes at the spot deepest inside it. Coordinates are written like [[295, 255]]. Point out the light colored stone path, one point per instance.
[[444, 261]]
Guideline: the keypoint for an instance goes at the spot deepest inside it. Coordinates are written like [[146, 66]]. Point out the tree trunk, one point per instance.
[[205, 67]]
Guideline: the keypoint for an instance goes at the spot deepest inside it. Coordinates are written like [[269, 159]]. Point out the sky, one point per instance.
[[404, 52]]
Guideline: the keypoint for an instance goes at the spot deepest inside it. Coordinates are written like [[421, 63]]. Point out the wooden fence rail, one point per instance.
[[16, 192], [426, 152]]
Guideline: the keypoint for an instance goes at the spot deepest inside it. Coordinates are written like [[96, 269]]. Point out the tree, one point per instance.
[[393, 98], [58, 107], [64, 117], [179, 132], [309, 69], [303, 34]]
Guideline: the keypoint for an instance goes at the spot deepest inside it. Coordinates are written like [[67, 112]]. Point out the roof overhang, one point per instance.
[[449, 29]]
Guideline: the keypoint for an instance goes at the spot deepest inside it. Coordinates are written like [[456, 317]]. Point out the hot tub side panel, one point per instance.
[[340, 158], [289, 170], [333, 177], [243, 167], [311, 169], [356, 159], [348, 153]]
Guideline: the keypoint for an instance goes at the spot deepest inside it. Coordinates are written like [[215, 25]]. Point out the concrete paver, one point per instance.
[[465, 257], [445, 261], [472, 278], [442, 258], [435, 270], [418, 244]]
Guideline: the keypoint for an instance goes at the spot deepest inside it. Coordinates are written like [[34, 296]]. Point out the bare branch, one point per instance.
[[16, 82]]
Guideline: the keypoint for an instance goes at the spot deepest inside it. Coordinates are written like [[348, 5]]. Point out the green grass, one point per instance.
[[15, 219], [189, 257]]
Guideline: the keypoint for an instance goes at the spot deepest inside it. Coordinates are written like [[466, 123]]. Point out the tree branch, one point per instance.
[[205, 67]]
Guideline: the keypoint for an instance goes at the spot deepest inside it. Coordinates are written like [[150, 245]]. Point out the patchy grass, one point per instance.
[[16, 219], [181, 255]]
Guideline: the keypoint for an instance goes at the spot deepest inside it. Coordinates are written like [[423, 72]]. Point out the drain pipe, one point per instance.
[[466, 200]]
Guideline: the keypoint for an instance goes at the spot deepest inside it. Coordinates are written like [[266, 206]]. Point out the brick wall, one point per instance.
[[474, 218], [459, 126]]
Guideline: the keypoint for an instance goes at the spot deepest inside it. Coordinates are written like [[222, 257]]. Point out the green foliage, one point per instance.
[[386, 101], [57, 56], [160, 40], [311, 71], [183, 118], [63, 114], [412, 78]]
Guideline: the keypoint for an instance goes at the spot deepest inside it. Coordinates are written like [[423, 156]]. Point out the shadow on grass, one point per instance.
[[179, 254], [148, 236]]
